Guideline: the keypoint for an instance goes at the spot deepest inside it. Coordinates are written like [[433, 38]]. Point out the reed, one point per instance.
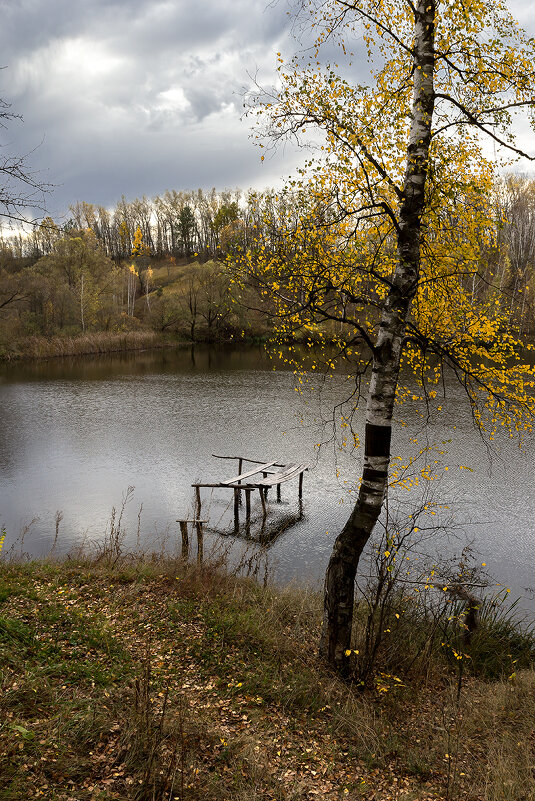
[[37, 347]]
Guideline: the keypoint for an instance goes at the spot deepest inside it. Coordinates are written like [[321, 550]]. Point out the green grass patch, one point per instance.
[[157, 680]]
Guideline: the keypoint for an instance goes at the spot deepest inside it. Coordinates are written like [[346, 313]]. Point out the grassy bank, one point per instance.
[[99, 343], [39, 347], [151, 679]]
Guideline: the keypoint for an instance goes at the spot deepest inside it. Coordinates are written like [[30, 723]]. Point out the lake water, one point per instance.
[[75, 434]]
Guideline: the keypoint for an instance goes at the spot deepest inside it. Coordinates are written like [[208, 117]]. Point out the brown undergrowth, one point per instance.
[[155, 679]]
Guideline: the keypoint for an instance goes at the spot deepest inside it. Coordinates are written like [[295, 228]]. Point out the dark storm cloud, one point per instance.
[[138, 96]]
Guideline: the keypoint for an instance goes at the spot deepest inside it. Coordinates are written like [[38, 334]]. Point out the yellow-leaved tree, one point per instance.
[[391, 219]]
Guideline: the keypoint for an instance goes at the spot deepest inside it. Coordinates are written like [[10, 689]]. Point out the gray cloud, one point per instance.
[[137, 96]]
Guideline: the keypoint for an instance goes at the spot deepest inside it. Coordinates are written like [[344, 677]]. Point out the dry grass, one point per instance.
[[499, 725], [153, 679], [170, 273], [37, 347]]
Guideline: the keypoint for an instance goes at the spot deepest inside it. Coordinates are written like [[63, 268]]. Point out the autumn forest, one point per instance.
[[163, 267]]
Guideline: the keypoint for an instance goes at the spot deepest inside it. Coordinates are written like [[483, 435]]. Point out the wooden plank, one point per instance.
[[240, 477], [232, 482], [290, 471], [278, 478], [289, 468], [253, 485]]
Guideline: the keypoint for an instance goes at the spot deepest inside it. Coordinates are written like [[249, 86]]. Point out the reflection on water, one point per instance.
[[263, 530], [75, 433]]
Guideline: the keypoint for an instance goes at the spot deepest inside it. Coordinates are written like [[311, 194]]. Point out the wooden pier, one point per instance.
[[272, 475]]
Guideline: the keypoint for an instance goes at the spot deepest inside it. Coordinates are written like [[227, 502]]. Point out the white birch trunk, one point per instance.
[[341, 572]]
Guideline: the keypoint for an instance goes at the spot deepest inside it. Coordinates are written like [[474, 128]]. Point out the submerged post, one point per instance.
[[197, 501], [237, 508], [240, 464], [200, 543], [185, 540]]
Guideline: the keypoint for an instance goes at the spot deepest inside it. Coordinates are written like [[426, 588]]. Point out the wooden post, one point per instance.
[[185, 540], [240, 463], [301, 485], [264, 475], [197, 502], [200, 548], [248, 503], [278, 493], [263, 499], [237, 494]]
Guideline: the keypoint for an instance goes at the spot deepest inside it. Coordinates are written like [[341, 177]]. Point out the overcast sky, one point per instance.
[[135, 97]]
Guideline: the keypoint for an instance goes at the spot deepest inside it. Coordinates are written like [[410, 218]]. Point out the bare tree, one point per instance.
[[21, 189]]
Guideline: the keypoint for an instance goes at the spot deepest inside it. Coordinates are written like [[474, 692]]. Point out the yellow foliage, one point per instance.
[[326, 267]]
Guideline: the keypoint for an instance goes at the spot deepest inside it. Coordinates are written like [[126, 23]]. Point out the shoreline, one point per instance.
[[95, 344], [101, 344]]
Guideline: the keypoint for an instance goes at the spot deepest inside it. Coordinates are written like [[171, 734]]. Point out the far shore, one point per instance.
[[93, 344]]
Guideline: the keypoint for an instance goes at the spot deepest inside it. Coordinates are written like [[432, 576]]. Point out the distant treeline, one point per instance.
[[178, 224], [165, 265]]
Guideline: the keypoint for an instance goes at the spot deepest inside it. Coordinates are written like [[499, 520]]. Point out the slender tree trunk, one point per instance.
[[82, 302], [342, 568], [523, 310], [147, 281]]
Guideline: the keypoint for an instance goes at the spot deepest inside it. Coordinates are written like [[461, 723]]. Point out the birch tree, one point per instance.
[[393, 222]]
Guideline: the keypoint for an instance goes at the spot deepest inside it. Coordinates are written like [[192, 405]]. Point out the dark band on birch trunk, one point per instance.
[[368, 511], [368, 474], [377, 440]]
